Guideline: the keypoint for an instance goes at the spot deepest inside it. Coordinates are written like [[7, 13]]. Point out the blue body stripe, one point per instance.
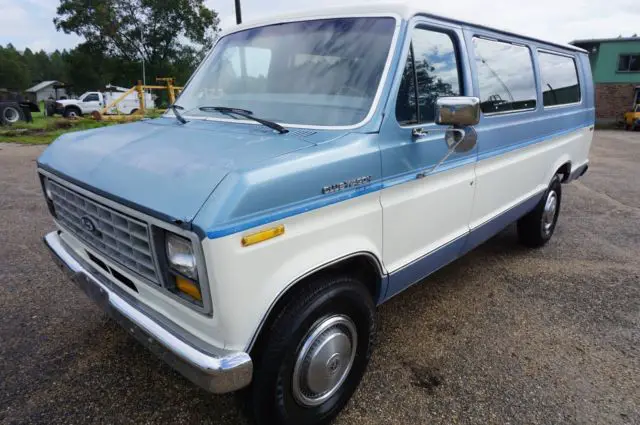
[[316, 203], [326, 200], [495, 225], [423, 267], [416, 271]]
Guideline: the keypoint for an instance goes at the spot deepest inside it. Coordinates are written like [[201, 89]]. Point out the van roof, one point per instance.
[[404, 10]]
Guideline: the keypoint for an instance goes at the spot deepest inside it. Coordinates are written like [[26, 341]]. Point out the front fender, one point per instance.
[[246, 281]]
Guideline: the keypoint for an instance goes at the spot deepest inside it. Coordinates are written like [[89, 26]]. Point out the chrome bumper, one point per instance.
[[216, 370]]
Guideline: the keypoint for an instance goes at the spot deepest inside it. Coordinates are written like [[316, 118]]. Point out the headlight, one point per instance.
[[181, 257], [47, 189], [48, 195]]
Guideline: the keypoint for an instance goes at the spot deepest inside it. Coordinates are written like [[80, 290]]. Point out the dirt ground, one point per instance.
[[504, 335]]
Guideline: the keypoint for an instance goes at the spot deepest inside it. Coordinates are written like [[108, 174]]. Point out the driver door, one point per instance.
[[425, 216], [90, 103]]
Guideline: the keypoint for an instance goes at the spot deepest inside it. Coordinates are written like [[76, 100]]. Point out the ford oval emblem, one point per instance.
[[89, 225]]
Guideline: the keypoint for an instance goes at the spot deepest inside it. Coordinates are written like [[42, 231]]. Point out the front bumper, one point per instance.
[[216, 370]]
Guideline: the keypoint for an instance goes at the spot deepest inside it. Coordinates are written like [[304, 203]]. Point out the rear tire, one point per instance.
[[315, 354], [11, 113], [536, 228]]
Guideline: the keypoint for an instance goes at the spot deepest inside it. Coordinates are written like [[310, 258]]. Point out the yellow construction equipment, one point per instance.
[[140, 88]]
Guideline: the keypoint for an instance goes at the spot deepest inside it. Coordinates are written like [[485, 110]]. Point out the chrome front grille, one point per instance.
[[119, 237]]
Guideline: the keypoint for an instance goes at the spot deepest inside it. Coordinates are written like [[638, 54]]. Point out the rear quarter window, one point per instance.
[[505, 76], [559, 75]]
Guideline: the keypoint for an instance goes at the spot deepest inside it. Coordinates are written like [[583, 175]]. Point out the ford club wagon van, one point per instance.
[[314, 167]]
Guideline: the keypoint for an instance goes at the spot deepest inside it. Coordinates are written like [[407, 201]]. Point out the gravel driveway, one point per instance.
[[503, 335]]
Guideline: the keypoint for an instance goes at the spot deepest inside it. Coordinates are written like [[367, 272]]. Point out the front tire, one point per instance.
[[536, 228], [315, 353], [72, 113]]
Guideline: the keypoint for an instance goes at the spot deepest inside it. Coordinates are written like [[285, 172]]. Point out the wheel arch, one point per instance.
[[565, 171], [561, 166], [363, 264], [74, 107]]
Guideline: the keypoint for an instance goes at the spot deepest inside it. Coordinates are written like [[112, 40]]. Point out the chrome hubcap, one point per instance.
[[325, 359], [549, 213]]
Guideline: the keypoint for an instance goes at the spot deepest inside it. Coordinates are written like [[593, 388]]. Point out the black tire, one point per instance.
[[536, 228], [272, 396], [72, 112], [133, 111], [11, 113]]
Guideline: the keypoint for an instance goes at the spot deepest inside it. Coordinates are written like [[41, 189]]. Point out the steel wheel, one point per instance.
[[324, 360], [549, 212]]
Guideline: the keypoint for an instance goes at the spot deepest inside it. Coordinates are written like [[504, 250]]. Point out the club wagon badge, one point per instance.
[[346, 184]]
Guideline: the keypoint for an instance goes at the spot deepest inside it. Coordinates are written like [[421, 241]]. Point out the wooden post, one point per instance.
[[171, 91]]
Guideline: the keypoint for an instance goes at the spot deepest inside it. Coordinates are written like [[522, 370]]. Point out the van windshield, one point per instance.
[[318, 73]]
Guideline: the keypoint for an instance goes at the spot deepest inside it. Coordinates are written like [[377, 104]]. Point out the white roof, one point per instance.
[[41, 86], [403, 10]]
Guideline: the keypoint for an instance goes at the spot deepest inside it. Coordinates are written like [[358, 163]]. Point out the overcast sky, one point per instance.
[[28, 23]]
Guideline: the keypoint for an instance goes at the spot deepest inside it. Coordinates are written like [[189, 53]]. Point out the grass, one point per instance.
[[44, 130]]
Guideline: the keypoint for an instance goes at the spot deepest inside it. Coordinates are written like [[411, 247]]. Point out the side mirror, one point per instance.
[[460, 111]]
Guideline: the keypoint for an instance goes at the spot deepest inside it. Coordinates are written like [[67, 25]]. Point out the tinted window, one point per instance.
[[505, 76], [436, 72], [559, 79], [91, 98], [629, 63]]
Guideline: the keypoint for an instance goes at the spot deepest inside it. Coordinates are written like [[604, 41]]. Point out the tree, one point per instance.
[[14, 74], [135, 29]]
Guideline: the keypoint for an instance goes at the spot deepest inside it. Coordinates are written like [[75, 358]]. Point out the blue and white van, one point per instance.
[[315, 166]]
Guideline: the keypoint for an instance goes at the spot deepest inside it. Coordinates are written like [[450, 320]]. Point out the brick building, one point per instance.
[[615, 63]]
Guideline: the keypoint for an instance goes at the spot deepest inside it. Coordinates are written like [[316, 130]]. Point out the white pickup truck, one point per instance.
[[95, 101]]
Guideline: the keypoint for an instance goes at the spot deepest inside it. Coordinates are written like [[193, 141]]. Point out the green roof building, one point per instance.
[[615, 64]]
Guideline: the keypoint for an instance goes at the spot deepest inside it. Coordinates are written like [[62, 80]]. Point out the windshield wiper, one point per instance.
[[177, 113], [246, 114]]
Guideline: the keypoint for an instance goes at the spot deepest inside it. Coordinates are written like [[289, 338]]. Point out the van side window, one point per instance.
[[559, 79], [505, 76], [432, 63]]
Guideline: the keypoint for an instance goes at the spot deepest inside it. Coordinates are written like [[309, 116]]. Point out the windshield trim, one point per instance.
[[376, 99]]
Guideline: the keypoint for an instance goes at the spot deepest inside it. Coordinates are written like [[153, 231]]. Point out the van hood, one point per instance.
[[162, 167]]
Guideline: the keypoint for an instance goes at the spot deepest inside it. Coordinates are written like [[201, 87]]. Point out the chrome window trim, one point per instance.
[[376, 99], [575, 64], [519, 111], [207, 304]]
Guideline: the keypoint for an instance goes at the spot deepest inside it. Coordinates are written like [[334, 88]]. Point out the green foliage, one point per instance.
[[161, 32], [13, 71]]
